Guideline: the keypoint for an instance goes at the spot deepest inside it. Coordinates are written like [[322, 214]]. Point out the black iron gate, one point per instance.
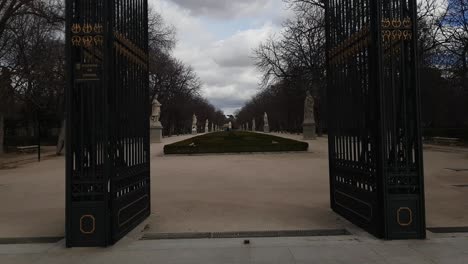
[[107, 167], [376, 169]]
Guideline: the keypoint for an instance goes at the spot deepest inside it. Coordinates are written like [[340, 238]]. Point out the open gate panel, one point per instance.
[[376, 172], [108, 172]]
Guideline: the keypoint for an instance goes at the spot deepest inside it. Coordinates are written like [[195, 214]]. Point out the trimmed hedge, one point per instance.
[[235, 142]]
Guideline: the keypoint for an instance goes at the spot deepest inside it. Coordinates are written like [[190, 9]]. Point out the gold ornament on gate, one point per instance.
[[397, 35], [76, 40], [87, 28], [407, 22], [98, 28], [396, 23], [386, 23], [407, 35], [76, 28], [386, 35], [87, 41], [98, 40]]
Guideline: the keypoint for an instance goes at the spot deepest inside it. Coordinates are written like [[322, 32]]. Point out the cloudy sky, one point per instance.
[[216, 37]]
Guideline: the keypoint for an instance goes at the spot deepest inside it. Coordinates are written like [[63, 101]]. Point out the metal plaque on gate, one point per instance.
[[87, 72]]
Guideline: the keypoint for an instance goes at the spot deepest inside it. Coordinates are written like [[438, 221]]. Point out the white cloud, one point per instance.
[[236, 51], [223, 9], [223, 60]]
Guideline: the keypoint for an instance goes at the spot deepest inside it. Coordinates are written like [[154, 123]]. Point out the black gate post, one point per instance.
[[107, 132], [375, 148]]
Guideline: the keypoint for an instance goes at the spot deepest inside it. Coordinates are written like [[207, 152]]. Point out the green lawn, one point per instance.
[[234, 142]]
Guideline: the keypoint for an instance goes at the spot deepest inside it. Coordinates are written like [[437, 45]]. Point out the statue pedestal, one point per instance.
[[194, 130], [156, 134], [266, 129], [309, 131]]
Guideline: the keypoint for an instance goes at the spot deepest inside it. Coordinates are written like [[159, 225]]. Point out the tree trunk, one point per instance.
[[2, 132], [465, 69]]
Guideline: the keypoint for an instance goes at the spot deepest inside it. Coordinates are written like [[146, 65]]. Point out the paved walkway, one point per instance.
[[320, 250], [226, 192], [279, 191]]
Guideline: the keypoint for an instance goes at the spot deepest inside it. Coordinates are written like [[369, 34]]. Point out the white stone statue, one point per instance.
[[309, 117], [230, 125], [155, 125], [266, 125], [308, 127], [156, 113], [194, 124], [207, 124], [254, 127]]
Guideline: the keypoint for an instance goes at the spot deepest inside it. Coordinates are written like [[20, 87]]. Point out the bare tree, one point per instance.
[[430, 17], [161, 36], [455, 33], [304, 5], [5, 94], [175, 83], [36, 62], [296, 58], [14, 15], [454, 56], [9, 9]]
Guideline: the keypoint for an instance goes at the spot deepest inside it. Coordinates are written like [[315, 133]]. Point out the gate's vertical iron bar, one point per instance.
[[107, 71], [146, 101], [68, 95], [376, 98], [418, 148], [330, 75]]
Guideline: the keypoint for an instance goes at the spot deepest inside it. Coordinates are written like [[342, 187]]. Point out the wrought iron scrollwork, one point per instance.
[[395, 29]]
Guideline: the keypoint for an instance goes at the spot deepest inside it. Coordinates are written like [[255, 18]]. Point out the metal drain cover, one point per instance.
[[442, 230], [247, 234], [30, 240]]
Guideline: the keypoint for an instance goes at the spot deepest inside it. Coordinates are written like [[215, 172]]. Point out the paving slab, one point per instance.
[[352, 249]]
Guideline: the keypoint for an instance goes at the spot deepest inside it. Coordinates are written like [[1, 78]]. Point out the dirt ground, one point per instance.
[[227, 192]]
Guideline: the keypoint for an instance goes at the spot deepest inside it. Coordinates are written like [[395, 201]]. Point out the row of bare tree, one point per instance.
[[32, 72], [31, 59], [293, 62], [175, 84]]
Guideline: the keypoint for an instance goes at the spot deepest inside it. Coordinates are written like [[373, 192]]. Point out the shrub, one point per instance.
[[235, 142]]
